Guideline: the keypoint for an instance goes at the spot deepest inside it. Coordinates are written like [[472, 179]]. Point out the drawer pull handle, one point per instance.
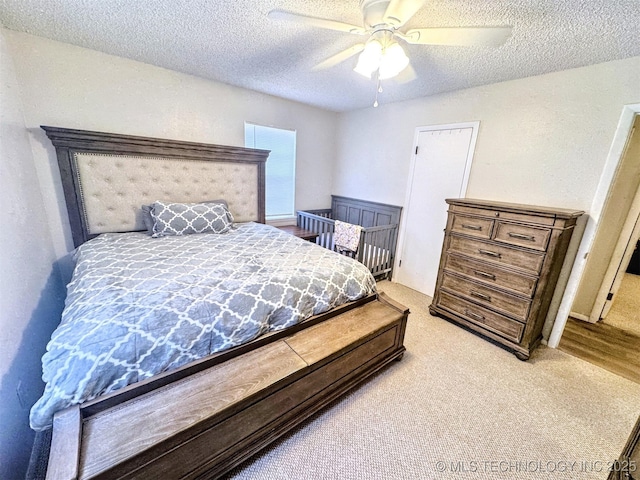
[[477, 316], [522, 236], [485, 274], [473, 293], [471, 227], [490, 253]]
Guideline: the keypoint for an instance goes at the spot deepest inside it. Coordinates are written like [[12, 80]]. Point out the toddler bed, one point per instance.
[[378, 236], [185, 349]]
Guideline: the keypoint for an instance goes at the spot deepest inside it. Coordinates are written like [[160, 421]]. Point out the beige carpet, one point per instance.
[[625, 311], [458, 407]]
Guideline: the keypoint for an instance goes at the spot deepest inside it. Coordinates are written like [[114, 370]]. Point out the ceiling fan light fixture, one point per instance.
[[393, 61], [370, 58]]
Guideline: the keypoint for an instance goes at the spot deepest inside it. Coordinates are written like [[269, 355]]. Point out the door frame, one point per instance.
[[475, 127], [620, 253], [619, 263], [615, 155]]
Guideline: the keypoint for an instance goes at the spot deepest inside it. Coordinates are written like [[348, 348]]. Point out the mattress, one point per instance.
[[374, 256], [138, 306]]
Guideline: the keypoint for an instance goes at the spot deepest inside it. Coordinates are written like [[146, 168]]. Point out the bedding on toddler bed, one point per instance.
[[138, 306]]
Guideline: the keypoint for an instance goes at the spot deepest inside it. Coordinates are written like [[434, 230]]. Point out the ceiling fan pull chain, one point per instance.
[[378, 90]]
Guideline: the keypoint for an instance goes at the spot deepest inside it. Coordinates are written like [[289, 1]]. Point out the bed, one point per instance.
[[378, 237], [228, 388]]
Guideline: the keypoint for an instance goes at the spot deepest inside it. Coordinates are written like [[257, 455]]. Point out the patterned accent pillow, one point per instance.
[[188, 218], [148, 221]]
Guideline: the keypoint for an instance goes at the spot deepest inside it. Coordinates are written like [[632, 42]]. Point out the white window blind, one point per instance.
[[281, 167]]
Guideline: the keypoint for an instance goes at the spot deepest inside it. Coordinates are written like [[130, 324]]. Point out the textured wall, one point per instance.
[[31, 292], [68, 86], [543, 140]]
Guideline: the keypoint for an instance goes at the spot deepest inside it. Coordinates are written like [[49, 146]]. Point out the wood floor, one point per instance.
[[606, 346]]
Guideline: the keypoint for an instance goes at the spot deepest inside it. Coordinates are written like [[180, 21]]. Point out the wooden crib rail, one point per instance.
[[377, 249], [377, 246], [321, 212], [320, 222]]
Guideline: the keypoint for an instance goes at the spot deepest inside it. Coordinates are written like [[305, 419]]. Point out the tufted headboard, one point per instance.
[[107, 177]]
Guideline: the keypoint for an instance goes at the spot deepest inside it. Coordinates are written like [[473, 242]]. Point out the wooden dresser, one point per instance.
[[499, 267]]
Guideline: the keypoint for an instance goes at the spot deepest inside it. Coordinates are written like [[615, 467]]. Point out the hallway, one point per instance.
[[614, 343]]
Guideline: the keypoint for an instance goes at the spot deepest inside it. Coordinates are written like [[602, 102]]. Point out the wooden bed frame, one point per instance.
[[203, 419]]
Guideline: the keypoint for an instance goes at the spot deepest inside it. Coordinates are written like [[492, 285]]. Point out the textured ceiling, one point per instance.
[[234, 42]]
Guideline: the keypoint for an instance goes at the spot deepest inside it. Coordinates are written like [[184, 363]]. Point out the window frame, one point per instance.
[[253, 126]]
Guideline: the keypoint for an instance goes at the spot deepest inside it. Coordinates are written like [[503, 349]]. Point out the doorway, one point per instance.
[[613, 342], [619, 299], [604, 324], [439, 169], [616, 236], [624, 312]]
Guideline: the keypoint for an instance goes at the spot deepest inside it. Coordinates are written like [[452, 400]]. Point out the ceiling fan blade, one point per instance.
[[339, 57], [315, 22], [400, 12], [467, 36]]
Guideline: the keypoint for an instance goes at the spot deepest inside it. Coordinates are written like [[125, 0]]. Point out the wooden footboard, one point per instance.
[[204, 424]]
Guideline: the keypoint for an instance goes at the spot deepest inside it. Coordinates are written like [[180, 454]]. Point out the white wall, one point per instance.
[[31, 291], [67, 86], [543, 140], [50, 83]]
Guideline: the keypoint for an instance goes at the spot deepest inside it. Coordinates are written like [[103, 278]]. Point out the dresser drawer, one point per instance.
[[539, 219], [476, 227], [484, 212], [503, 326], [511, 305], [522, 235], [498, 254], [491, 274]]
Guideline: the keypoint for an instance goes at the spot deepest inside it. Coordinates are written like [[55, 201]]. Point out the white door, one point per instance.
[[633, 218], [630, 230], [440, 169]]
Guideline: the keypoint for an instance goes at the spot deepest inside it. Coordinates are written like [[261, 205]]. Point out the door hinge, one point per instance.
[[400, 263], [610, 296], [416, 149]]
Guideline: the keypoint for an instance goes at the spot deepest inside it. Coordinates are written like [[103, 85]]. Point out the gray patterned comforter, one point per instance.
[[137, 306]]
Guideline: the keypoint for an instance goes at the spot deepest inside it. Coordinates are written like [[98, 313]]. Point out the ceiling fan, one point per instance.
[[383, 20]]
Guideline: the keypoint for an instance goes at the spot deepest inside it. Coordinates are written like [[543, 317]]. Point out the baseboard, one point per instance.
[[579, 316]]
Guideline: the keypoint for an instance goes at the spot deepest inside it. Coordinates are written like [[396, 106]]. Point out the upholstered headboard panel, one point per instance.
[[115, 186], [107, 178]]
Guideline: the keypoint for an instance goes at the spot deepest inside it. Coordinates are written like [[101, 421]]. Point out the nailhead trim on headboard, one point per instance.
[[114, 187], [107, 177]]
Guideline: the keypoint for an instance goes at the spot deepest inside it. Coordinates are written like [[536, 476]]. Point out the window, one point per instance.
[[281, 167]]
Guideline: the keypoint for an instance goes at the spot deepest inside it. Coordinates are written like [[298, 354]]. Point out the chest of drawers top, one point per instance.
[[514, 212]]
